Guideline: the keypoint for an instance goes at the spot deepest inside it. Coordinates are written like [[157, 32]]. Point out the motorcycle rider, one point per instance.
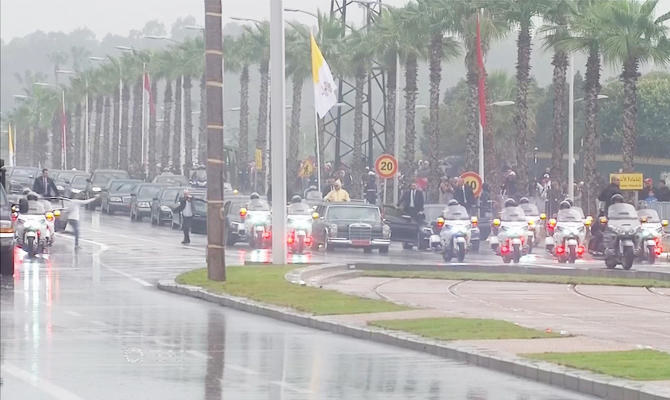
[[371, 188], [607, 239], [564, 205], [608, 193]]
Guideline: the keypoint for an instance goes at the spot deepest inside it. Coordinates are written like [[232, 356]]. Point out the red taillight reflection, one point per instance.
[[659, 250], [291, 239], [308, 240], [580, 250], [267, 235], [504, 249], [560, 249]]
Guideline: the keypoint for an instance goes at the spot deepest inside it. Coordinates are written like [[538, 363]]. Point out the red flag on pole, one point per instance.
[[482, 77], [147, 87]]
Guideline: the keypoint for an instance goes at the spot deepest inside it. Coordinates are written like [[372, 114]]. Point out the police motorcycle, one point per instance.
[[651, 235], [535, 222], [258, 222], [299, 225], [510, 233], [566, 234], [621, 236], [33, 225], [456, 231]]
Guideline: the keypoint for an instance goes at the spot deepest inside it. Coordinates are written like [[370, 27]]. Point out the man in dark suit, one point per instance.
[[464, 195], [412, 201], [45, 186]]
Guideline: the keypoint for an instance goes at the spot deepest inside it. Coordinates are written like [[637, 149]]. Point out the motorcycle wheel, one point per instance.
[[30, 247], [367, 250], [651, 256], [572, 255], [446, 254], [407, 246], [300, 247], [628, 258], [507, 260], [611, 262], [384, 250], [461, 252], [421, 243], [531, 244], [517, 253]]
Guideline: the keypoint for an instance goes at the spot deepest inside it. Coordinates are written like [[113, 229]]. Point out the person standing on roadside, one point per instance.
[[185, 207], [412, 201], [73, 215]]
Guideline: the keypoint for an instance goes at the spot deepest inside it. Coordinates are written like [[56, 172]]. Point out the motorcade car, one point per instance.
[[651, 235], [414, 231], [76, 189], [64, 178], [115, 196], [7, 243], [21, 178], [199, 221], [234, 211], [99, 180], [350, 224], [171, 179], [163, 203], [140, 200]]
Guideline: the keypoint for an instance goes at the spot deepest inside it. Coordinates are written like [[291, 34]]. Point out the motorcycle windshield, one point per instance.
[[622, 211], [456, 213], [258, 205], [568, 215], [513, 214], [651, 215], [530, 209], [299, 209]]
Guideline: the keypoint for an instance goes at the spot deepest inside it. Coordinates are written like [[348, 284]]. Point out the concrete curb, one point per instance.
[[567, 378], [518, 269]]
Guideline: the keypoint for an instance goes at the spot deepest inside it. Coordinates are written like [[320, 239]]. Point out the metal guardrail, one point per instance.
[[661, 207]]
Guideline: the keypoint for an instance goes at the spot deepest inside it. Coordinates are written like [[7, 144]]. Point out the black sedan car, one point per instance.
[[413, 231], [100, 179], [21, 178], [199, 222], [76, 189], [64, 178], [163, 203], [350, 224], [171, 179], [235, 229], [140, 200], [116, 195]]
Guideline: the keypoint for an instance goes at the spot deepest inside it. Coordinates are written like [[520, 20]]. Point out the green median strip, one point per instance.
[[641, 365], [462, 328], [526, 278], [267, 285]]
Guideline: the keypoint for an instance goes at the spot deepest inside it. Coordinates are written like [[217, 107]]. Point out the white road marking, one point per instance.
[[127, 275], [73, 313], [198, 354], [42, 384], [291, 387]]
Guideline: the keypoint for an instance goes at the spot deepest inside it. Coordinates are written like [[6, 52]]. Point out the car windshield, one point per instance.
[[148, 192], [569, 215], [258, 205], [171, 179], [79, 181], [122, 187], [621, 211], [513, 214], [23, 173], [299, 209], [66, 175], [367, 214], [199, 206], [100, 179], [432, 212], [199, 175], [530, 209], [454, 213], [651, 215], [170, 194]]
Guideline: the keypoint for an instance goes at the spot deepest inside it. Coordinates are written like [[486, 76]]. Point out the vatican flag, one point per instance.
[[324, 85]]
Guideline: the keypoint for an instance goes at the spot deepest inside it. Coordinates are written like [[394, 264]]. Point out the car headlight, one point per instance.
[[386, 231], [114, 198], [165, 209], [143, 204], [59, 187], [95, 189], [75, 191], [332, 230]]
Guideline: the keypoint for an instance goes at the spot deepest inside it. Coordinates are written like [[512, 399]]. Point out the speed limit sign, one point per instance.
[[386, 166], [473, 180]]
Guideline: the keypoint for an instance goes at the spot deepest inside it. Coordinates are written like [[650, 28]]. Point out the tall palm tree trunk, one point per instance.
[[243, 145], [590, 150], [176, 137], [216, 261], [435, 66], [136, 167], [188, 125], [202, 132], [629, 76], [560, 63], [116, 129], [293, 164], [263, 116], [167, 126], [410, 114], [391, 129], [357, 155], [471, 120], [152, 140], [74, 159], [106, 134], [56, 130], [125, 117], [521, 117], [94, 140]]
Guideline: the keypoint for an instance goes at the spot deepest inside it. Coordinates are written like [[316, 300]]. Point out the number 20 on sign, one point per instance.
[[386, 166]]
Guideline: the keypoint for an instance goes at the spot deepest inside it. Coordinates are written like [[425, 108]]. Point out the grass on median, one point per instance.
[[526, 278], [267, 285], [642, 365], [462, 328]]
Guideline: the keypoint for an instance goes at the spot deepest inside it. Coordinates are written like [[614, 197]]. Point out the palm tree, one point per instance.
[[57, 58], [633, 37], [259, 42], [163, 68], [152, 138], [128, 65], [521, 13], [192, 66], [202, 129], [555, 31]]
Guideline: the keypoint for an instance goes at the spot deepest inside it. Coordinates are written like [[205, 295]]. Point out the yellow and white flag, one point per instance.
[[10, 134], [325, 96]]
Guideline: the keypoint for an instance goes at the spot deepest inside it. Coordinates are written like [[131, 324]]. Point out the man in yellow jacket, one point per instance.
[[337, 194]]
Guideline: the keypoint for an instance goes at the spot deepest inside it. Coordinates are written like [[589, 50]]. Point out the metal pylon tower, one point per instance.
[[374, 97]]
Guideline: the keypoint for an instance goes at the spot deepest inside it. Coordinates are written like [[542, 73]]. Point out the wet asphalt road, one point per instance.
[[91, 325]]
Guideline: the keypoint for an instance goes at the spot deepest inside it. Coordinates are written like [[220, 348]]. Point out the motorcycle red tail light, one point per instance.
[[560, 249], [267, 235], [308, 240], [504, 249], [290, 239], [580, 250], [659, 250]]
